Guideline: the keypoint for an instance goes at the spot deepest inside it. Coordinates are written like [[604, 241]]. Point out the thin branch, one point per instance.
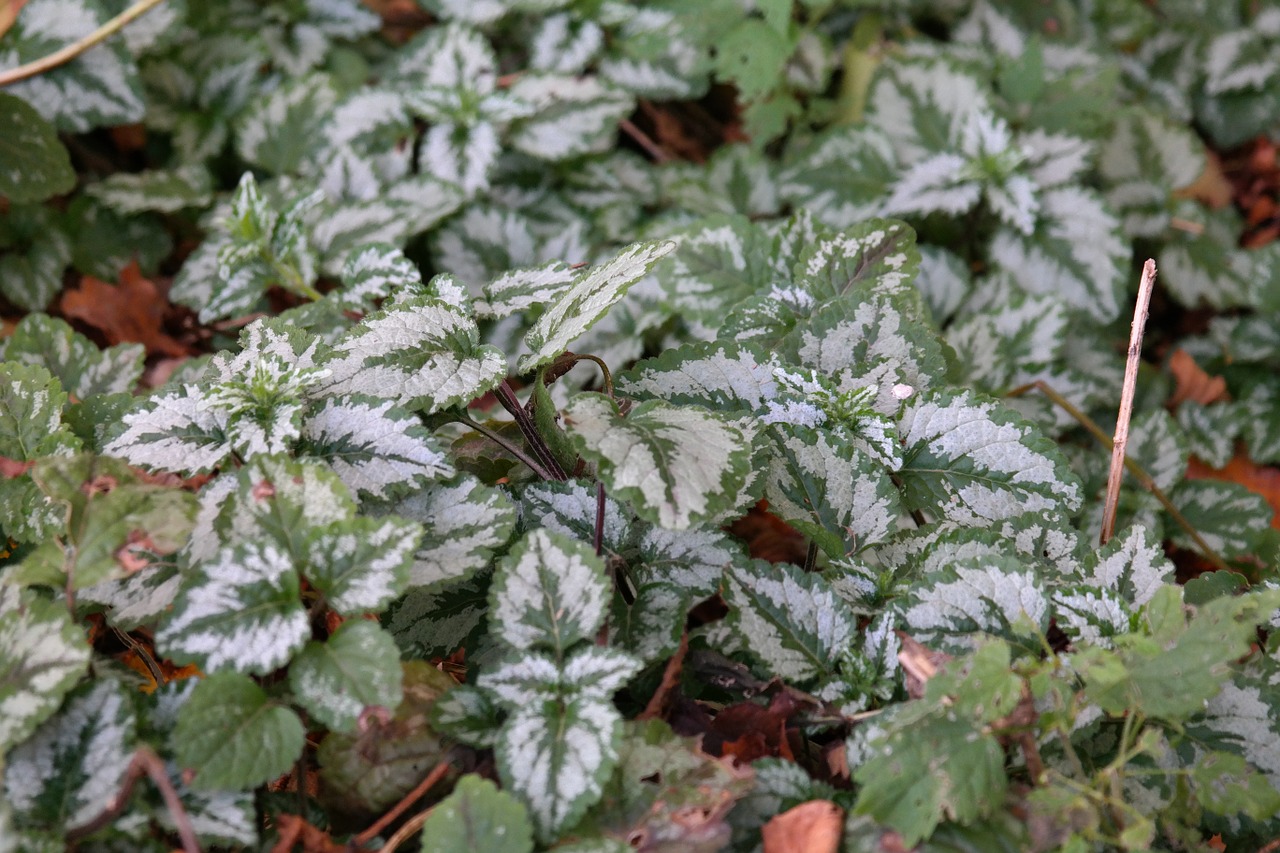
[[79, 46], [811, 557], [505, 445], [403, 834], [642, 139], [1127, 394], [437, 773], [145, 761], [600, 507], [1138, 472]]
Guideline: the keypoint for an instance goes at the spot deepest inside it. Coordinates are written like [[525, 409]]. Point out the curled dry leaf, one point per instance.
[[1193, 383], [132, 311], [812, 827]]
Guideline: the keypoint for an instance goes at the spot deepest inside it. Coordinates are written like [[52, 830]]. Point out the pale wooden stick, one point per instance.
[[1126, 401], [77, 47]]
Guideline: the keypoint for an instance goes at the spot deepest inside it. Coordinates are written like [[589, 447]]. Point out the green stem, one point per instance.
[[79, 46], [529, 429], [1132, 466], [505, 445]]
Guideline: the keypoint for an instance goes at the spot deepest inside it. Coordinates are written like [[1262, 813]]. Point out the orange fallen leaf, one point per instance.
[[1193, 383], [131, 312], [812, 827], [1212, 187]]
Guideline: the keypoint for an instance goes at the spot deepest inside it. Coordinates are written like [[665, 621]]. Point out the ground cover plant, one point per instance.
[[512, 425]]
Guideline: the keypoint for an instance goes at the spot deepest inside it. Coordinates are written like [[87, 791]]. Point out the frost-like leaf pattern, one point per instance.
[[715, 265], [375, 448], [717, 375], [521, 289], [572, 116], [376, 271], [677, 466], [842, 177], [1146, 158], [76, 761], [422, 352], [82, 368], [1227, 516], [548, 592], [975, 462], [995, 595], [465, 523], [792, 621], [361, 564], [239, 611], [556, 756], [579, 306], [42, 656], [356, 668], [163, 190]]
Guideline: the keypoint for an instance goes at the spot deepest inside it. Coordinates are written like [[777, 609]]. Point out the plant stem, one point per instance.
[[811, 556], [144, 761], [77, 47], [599, 531], [505, 445], [529, 429], [1133, 467], [1127, 393], [437, 773]]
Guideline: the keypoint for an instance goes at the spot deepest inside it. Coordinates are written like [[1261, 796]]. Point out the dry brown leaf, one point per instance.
[[131, 312], [919, 662], [1212, 187], [812, 827], [9, 13], [1193, 383]]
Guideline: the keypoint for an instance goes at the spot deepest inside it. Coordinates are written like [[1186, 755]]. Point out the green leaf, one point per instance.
[[790, 620], [437, 620], [37, 251], [556, 755], [358, 667], [421, 352], [1228, 516], [940, 766], [1227, 785], [548, 592], [283, 130], [374, 272], [241, 611], [993, 594], [465, 522], [113, 522], [572, 116], [31, 402], [59, 776], [372, 768], [476, 818], [82, 368], [279, 501], [676, 466], [717, 375], [752, 55], [593, 293], [37, 165], [974, 462], [99, 88], [43, 653], [231, 735], [842, 177]]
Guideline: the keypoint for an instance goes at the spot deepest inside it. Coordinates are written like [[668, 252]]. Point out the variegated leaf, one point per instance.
[[842, 177], [1228, 516], [1204, 264], [557, 755], [693, 560], [356, 668], [737, 179], [230, 735], [375, 272], [1146, 158], [280, 501], [830, 490], [413, 204], [240, 611], [468, 714], [716, 264], [82, 368], [1157, 444], [1212, 431], [377, 449], [137, 599], [878, 256], [282, 131], [163, 190], [37, 164], [518, 290], [447, 57], [532, 677], [993, 595], [650, 626], [97, 88], [1077, 252], [438, 620], [31, 403], [548, 592], [716, 375], [1093, 615], [569, 508], [76, 761], [970, 460], [594, 292], [422, 352], [360, 564], [919, 105], [790, 620], [573, 116], [39, 251], [43, 653], [676, 466], [465, 522]]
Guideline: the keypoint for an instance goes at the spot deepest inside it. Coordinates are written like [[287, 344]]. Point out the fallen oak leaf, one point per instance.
[[131, 312], [1192, 382]]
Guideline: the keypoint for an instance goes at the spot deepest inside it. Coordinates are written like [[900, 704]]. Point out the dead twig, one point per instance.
[[145, 761], [437, 773], [77, 47], [1127, 394]]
